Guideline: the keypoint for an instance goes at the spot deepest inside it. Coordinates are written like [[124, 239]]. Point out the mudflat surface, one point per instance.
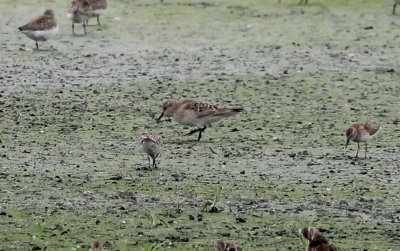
[[71, 115]]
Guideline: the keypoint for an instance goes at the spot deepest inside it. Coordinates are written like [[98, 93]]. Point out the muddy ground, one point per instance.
[[70, 117]]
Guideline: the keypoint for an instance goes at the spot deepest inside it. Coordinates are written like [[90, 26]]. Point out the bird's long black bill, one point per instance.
[[347, 143], [159, 118]]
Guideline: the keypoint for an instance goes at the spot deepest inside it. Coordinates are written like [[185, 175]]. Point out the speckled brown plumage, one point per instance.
[[43, 22], [151, 145], [226, 246], [41, 28], [80, 6], [97, 246], [195, 113], [80, 11], [147, 136], [361, 133], [317, 242], [98, 6]]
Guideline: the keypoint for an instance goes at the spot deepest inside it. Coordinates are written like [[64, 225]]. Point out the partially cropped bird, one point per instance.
[[317, 242], [97, 246], [395, 3], [226, 246], [98, 8]]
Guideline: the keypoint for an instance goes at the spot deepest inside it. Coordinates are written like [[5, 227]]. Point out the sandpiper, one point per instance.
[[317, 242], [395, 2], [79, 11], [226, 246], [41, 28], [97, 246], [98, 8], [195, 113], [151, 145], [361, 133]]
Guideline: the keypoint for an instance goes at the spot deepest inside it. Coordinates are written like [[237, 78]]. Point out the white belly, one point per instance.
[[41, 35], [78, 18], [150, 148], [365, 138], [98, 12]]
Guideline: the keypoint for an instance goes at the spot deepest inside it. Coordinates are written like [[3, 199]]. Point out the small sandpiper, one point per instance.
[[195, 113], [361, 133], [151, 145], [79, 12], [97, 246], [98, 8], [226, 246], [317, 242], [41, 28]]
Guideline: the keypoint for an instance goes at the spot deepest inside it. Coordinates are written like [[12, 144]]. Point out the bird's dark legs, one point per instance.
[[358, 148], [84, 28], [200, 130], [73, 29], [366, 147], [37, 46], [154, 163], [394, 9], [98, 20], [148, 158]]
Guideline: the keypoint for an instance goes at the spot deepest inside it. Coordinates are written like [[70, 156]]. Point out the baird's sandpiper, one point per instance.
[[79, 12], [41, 28], [151, 145], [195, 113], [361, 133], [317, 242]]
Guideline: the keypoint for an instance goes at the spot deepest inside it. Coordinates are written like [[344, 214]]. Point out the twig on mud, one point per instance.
[[209, 206], [152, 219], [212, 151]]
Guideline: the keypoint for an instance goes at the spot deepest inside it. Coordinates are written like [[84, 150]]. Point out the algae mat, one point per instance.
[[70, 168]]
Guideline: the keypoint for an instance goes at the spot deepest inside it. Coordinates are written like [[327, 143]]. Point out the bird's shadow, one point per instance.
[[191, 141], [35, 50]]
